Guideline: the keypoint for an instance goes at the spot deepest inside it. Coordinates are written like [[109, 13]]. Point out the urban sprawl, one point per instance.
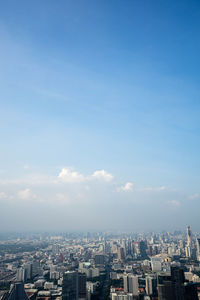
[[100, 266]]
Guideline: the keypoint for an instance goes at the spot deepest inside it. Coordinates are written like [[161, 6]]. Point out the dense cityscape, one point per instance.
[[80, 266]]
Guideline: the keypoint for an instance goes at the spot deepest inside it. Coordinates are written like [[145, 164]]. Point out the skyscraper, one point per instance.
[[189, 236], [198, 249], [150, 285], [178, 278], [70, 286], [81, 286], [131, 284], [16, 292], [21, 274], [121, 253]]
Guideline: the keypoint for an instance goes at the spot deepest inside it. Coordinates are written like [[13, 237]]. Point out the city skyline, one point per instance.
[[99, 115]]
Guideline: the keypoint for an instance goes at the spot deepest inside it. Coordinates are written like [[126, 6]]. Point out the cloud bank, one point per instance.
[[74, 200]]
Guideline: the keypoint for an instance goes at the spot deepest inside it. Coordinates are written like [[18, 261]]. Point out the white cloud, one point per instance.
[[154, 189], [128, 187], [174, 203], [26, 194], [102, 174], [32, 179], [26, 167], [194, 196], [70, 176], [62, 198], [3, 195]]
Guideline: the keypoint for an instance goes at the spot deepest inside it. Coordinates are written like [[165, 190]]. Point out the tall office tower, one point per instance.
[[150, 285], [177, 274], [16, 292], [21, 274], [130, 247], [125, 280], [99, 259], [165, 291], [29, 270], [178, 278], [70, 286], [172, 287], [81, 286], [188, 252], [143, 248], [165, 288], [198, 249], [189, 236], [131, 284], [121, 253]]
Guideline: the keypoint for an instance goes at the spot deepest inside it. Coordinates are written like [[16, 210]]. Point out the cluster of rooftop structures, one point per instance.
[[101, 266]]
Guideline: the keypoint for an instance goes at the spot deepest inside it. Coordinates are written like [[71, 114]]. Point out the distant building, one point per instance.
[[143, 248], [121, 253], [198, 249], [189, 236]]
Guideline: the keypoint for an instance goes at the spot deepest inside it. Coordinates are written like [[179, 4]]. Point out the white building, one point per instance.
[[131, 284]]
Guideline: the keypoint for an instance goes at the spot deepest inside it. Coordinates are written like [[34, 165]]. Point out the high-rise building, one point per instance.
[[16, 292], [29, 270], [36, 270], [121, 253], [99, 259], [21, 274], [131, 284], [188, 251], [143, 248], [70, 286], [165, 287], [150, 285], [198, 249], [165, 290], [174, 287], [178, 278], [189, 236], [81, 286]]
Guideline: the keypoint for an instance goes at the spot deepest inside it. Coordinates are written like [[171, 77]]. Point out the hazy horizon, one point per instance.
[[100, 110]]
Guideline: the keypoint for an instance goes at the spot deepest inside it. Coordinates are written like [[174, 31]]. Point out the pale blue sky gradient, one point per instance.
[[102, 85]]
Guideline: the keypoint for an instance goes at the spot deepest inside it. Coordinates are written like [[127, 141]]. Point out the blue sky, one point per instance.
[[88, 86]]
